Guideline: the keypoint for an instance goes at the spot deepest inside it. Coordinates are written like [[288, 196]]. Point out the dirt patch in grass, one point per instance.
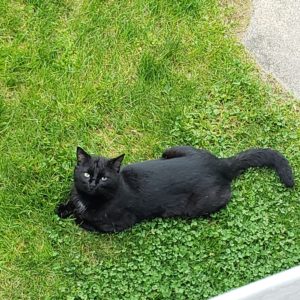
[[239, 13]]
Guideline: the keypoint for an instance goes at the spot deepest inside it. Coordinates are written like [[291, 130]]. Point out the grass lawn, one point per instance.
[[136, 77]]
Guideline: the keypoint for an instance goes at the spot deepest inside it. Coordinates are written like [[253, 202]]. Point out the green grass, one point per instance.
[[135, 77]]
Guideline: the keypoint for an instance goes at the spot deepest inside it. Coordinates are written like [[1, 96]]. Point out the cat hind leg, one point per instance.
[[179, 151], [204, 204]]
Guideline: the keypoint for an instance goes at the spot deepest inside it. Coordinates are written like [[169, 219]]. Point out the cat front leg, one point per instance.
[[179, 151], [85, 225], [113, 227], [65, 210], [99, 227], [114, 224]]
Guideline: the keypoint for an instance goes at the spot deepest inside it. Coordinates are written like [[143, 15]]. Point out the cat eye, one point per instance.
[[103, 178], [87, 175]]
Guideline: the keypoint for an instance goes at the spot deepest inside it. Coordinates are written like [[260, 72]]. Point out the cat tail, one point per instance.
[[261, 158]]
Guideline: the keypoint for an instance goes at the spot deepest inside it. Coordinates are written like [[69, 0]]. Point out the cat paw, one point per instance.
[[62, 211]]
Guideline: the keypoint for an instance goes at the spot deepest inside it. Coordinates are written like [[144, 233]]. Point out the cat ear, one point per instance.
[[82, 156], [115, 163]]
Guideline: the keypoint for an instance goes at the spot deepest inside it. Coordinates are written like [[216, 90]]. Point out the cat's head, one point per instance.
[[96, 175]]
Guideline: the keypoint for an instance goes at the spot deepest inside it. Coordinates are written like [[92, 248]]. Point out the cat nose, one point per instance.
[[92, 184]]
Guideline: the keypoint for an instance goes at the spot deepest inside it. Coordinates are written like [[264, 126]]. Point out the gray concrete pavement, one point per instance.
[[273, 36]]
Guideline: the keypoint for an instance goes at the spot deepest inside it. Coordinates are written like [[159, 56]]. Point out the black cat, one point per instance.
[[185, 182]]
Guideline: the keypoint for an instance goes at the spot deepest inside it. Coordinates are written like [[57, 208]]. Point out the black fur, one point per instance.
[[185, 182]]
